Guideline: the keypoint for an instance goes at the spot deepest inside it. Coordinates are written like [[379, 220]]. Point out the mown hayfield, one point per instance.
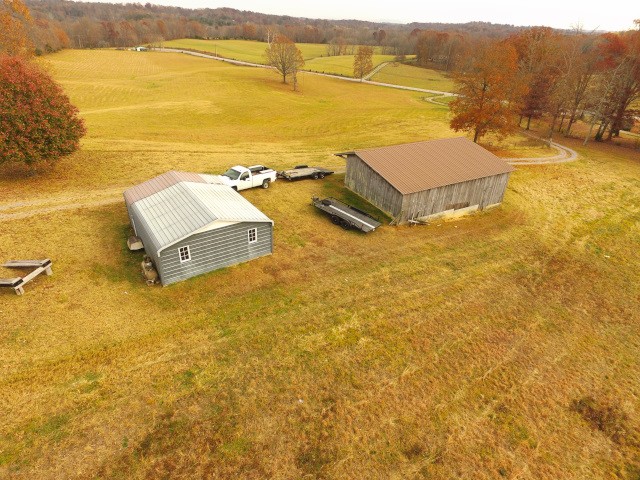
[[315, 54], [411, 76], [458, 350], [341, 64], [245, 50]]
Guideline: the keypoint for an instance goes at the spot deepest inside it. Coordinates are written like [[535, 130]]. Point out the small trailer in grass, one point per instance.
[[304, 171], [345, 215]]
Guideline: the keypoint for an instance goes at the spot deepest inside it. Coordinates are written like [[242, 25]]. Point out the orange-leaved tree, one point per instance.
[[283, 55], [362, 62], [14, 22], [37, 122], [490, 92]]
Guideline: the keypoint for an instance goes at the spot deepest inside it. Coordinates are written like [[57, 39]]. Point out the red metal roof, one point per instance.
[[413, 167], [159, 183]]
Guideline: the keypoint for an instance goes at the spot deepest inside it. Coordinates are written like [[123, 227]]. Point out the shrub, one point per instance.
[[603, 415], [37, 121]]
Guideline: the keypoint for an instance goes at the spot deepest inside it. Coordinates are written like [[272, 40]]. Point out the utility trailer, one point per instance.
[[345, 215], [304, 171]]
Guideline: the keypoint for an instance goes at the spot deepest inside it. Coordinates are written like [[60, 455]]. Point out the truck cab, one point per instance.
[[242, 178]]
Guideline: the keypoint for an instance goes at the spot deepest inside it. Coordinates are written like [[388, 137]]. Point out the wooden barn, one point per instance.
[[189, 226], [423, 179]]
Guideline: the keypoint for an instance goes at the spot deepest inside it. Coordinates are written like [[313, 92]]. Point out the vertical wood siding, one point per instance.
[[481, 192], [363, 180], [215, 249]]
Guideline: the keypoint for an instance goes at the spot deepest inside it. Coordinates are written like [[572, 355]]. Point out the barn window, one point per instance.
[[185, 254], [253, 235]]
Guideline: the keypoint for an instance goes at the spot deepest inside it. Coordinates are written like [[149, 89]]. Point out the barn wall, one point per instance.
[[214, 249], [142, 232], [363, 180], [481, 191]]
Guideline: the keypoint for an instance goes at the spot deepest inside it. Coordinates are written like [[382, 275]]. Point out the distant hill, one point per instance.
[[93, 24]]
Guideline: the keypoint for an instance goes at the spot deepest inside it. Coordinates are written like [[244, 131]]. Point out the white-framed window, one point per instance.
[[253, 235], [185, 254]]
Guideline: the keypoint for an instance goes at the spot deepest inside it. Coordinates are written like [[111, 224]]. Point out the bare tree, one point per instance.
[[284, 56]]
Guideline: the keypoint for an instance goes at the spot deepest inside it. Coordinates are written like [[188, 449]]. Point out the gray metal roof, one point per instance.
[[184, 208], [413, 167], [138, 192]]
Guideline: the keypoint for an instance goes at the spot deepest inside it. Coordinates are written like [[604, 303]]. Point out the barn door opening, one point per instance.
[[457, 206]]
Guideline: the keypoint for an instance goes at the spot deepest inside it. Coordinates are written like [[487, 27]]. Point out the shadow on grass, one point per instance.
[[333, 186]]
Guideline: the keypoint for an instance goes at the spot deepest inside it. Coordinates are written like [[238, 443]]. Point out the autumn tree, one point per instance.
[[579, 66], [284, 56], [362, 62], [37, 122], [490, 92], [621, 82], [379, 36], [15, 20], [538, 59]]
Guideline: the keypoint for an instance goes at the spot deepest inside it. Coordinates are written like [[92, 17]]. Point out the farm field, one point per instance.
[[315, 54], [411, 76], [487, 348], [245, 50], [341, 64]]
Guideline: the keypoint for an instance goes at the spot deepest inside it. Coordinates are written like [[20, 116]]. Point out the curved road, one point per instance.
[[339, 77]]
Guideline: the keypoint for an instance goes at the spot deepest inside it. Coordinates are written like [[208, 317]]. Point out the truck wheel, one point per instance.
[[335, 219], [265, 184], [315, 176], [344, 224]]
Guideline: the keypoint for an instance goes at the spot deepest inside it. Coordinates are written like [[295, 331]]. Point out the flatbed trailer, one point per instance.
[[304, 171], [345, 215]]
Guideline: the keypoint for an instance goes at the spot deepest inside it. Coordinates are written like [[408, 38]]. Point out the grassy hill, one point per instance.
[[411, 76], [245, 50], [315, 54], [489, 347]]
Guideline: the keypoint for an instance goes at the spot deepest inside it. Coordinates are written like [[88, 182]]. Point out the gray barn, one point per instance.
[[189, 226], [421, 179]]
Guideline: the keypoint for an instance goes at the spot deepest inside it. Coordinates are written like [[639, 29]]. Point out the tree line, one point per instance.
[[63, 23], [540, 72]]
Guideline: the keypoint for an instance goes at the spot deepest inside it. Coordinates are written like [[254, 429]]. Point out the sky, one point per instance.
[[590, 14]]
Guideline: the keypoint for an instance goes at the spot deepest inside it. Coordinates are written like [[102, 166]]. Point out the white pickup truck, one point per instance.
[[241, 178]]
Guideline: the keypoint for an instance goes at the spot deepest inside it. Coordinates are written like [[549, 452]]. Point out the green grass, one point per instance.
[[410, 76], [451, 351], [314, 54], [245, 50], [342, 64]]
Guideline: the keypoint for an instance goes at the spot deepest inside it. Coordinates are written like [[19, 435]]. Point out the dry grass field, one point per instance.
[[245, 50], [503, 345], [315, 54], [411, 76]]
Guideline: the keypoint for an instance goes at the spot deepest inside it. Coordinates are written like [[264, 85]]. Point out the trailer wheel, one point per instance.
[[265, 184], [321, 175], [344, 224], [315, 176], [335, 219]]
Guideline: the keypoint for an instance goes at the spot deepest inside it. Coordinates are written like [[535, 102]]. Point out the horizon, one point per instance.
[[565, 16]]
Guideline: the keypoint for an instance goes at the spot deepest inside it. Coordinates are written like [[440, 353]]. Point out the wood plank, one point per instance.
[[26, 263], [32, 275], [10, 282]]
